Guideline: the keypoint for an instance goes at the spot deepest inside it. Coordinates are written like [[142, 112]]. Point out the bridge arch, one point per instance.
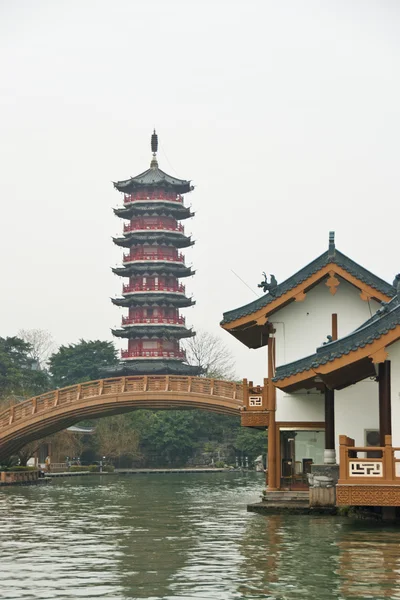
[[53, 411]]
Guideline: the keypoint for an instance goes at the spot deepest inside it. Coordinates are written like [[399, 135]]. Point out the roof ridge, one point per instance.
[[327, 257]]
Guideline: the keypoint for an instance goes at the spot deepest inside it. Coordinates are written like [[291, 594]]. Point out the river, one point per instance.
[[183, 536]]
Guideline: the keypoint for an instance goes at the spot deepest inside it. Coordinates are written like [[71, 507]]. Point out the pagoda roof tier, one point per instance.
[[158, 332], [153, 178], [154, 299], [154, 207], [157, 366], [153, 268], [173, 238]]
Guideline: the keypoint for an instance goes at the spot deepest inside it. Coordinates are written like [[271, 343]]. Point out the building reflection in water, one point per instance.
[[369, 562]]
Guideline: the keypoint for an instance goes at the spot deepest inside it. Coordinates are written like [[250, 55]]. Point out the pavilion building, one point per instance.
[[301, 403], [153, 208]]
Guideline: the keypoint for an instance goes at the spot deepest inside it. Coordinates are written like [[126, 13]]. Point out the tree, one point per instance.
[[169, 437], [115, 437], [65, 443], [80, 362], [41, 344], [17, 375], [28, 452], [250, 442], [208, 351]]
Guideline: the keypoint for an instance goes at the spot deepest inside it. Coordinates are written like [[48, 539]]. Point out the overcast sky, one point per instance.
[[284, 114]]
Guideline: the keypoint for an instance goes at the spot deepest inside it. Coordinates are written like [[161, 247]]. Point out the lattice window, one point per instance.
[[365, 469], [255, 400]]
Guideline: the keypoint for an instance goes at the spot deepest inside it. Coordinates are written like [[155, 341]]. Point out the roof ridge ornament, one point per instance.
[[331, 248], [154, 148], [268, 287]]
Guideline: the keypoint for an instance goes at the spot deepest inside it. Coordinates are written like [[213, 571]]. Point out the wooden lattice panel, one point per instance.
[[368, 495]]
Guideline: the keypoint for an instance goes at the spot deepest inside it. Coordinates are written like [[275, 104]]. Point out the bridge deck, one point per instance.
[[50, 412]]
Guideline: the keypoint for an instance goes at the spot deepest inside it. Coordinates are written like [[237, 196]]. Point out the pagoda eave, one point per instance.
[[153, 268], [129, 186], [156, 366], [178, 240], [172, 209], [160, 298], [153, 332]]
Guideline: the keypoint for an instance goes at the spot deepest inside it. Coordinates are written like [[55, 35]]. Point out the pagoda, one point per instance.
[[152, 266]]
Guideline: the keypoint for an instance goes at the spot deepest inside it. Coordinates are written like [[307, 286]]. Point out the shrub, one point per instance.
[[94, 468], [20, 468], [78, 468], [219, 464], [108, 469]]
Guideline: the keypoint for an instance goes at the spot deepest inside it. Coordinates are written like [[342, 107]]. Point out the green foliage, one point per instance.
[[219, 464], [17, 377], [251, 442], [78, 468], [108, 469], [169, 435], [21, 468], [80, 362]]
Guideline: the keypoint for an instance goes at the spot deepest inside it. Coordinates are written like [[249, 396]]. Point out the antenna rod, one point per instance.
[[254, 292]]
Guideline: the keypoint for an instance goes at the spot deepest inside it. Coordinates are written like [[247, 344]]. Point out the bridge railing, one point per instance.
[[120, 385]]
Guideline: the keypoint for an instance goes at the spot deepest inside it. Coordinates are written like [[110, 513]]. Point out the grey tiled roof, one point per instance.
[[151, 367], [326, 258], [385, 319], [153, 177]]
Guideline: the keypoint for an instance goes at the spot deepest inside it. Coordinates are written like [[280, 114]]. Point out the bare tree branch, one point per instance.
[[208, 351], [115, 437], [41, 342]]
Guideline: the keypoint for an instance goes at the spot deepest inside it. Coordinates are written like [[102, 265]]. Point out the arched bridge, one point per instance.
[[48, 413]]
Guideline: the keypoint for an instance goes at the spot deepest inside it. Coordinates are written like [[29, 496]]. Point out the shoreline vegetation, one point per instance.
[[139, 439]]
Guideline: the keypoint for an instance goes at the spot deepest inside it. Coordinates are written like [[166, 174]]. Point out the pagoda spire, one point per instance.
[[153, 265], [154, 148]]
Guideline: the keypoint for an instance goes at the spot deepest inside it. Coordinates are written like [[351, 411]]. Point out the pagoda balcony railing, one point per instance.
[[143, 287], [178, 228], [126, 354], [143, 196], [153, 321], [139, 256]]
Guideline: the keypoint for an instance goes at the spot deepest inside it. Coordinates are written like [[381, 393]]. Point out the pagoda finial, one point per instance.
[[154, 148]]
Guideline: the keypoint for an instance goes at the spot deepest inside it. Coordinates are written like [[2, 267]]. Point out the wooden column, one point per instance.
[[385, 407], [330, 454], [272, 457], [329, 419]]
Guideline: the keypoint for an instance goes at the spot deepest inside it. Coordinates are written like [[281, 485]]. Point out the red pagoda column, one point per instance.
[[152, 266]]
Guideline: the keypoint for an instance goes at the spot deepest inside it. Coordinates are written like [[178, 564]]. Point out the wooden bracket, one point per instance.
[[300, 296], [379, 356], [332, 283]]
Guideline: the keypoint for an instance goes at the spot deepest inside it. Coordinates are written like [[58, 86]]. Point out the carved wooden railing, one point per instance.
[[354, 470], [255, 411], [168, 384]]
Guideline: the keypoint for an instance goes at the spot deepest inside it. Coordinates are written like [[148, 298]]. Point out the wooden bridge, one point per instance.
[[48, 413]]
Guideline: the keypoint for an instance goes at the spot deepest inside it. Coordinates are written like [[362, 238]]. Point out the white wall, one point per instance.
[[356, 409], [303, 326], [394, 357], [300, 407]]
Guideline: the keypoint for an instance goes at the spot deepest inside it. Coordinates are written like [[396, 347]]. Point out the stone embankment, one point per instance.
[[29, 477]]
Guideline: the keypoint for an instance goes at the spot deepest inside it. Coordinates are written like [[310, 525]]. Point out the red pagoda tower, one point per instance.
[[152, 266]]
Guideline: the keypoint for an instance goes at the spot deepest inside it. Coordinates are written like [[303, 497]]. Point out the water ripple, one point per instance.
[[183, 536]]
